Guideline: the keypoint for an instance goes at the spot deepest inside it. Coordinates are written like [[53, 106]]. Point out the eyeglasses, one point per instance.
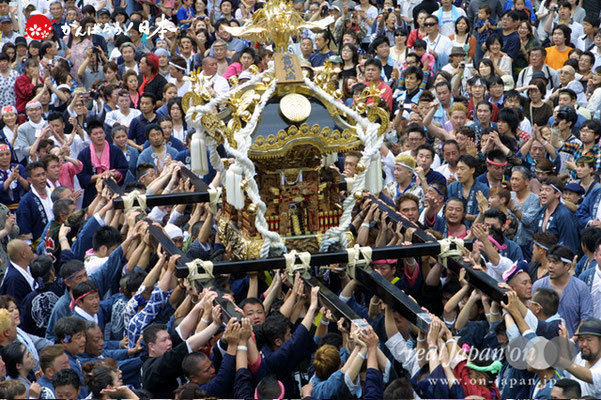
[[428, 24]]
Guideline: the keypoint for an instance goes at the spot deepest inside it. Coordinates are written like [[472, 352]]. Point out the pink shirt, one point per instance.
[[68, 171]]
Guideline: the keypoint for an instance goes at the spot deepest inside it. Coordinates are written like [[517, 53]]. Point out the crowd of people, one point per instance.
[[495, 113]]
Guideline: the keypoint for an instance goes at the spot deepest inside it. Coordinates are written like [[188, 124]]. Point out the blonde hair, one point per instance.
[[326, 361], [457, 106]]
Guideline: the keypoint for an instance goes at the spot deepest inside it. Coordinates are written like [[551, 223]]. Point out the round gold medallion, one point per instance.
[[295, 107]]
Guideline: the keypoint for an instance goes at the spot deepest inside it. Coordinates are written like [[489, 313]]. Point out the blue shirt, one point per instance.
[[562, 224], [575, 304]]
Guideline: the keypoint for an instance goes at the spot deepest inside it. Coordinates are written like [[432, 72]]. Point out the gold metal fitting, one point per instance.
[[358, 195], [360, 167]]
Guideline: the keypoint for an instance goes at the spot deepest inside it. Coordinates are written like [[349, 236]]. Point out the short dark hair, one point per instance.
[[106, 236], [56, 116], [40, 267], [66, 327], [150, 333], [548, 300], [151, 127], [66, 377], [496, 214], [414, 71], [34, 165], [509, 116], [83, 287], [416, 128], [594, 125], [275, 327], [378, 41], [428, 147], [93, 124], [373, 61], [468, 160], [149, 96], [496, 154], [485, 103], [559, 252], [250, 300], [190, 363], [589, 238], [547, 239], [592, 19], [571, 389]]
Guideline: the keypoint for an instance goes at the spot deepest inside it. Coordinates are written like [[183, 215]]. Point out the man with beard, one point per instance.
[[554, 216], [586, 368], [575, 301]]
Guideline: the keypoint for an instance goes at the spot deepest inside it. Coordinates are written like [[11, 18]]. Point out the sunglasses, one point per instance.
[[427, 24]]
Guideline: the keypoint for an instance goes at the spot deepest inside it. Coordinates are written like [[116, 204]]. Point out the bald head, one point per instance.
[[19, 252]]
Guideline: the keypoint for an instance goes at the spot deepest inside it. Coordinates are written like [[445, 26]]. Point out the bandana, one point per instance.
[[9, 109], [4, 147], [405, 165], [30, 104], [556, 188], [75, 273], [384, 261], [438, 191], [499, 246], [491, 162], [174, 65], [83, 296], [540, 245], [493, 368]]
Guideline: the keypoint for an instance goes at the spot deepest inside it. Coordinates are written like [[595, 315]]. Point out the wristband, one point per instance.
[[324, 322], [205, 321], [450, 340], [432, 347], [365, 225], [243, 348], [495, 313], [362, 356], [421, 340], [63, 240]]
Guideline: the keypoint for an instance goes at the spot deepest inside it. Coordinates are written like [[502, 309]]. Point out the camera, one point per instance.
[[390, 9], [555, 7], [462, 64]]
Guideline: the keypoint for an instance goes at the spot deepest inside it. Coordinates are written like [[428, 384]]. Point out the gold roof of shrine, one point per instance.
[[295, 114]]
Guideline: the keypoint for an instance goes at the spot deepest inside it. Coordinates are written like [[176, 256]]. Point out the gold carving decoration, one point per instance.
[[326, 140]]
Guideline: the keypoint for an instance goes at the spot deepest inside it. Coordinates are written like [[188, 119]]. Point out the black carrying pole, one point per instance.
[[200, 195], [319, 259], [171, 249], [327, 297], [479, 279]]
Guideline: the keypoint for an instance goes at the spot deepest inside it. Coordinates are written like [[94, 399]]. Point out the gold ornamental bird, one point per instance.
[[275, 23]]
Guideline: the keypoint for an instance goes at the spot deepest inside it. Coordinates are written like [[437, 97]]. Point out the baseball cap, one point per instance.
[[6, 18], [574, 187]]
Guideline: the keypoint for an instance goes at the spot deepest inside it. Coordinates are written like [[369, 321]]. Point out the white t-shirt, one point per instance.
[[447, 22], [116, 116], [588, 389], [440, 45]]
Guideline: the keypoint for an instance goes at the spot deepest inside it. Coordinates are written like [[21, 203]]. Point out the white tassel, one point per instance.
[[195, 152], [233, 187], [373, 180]]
